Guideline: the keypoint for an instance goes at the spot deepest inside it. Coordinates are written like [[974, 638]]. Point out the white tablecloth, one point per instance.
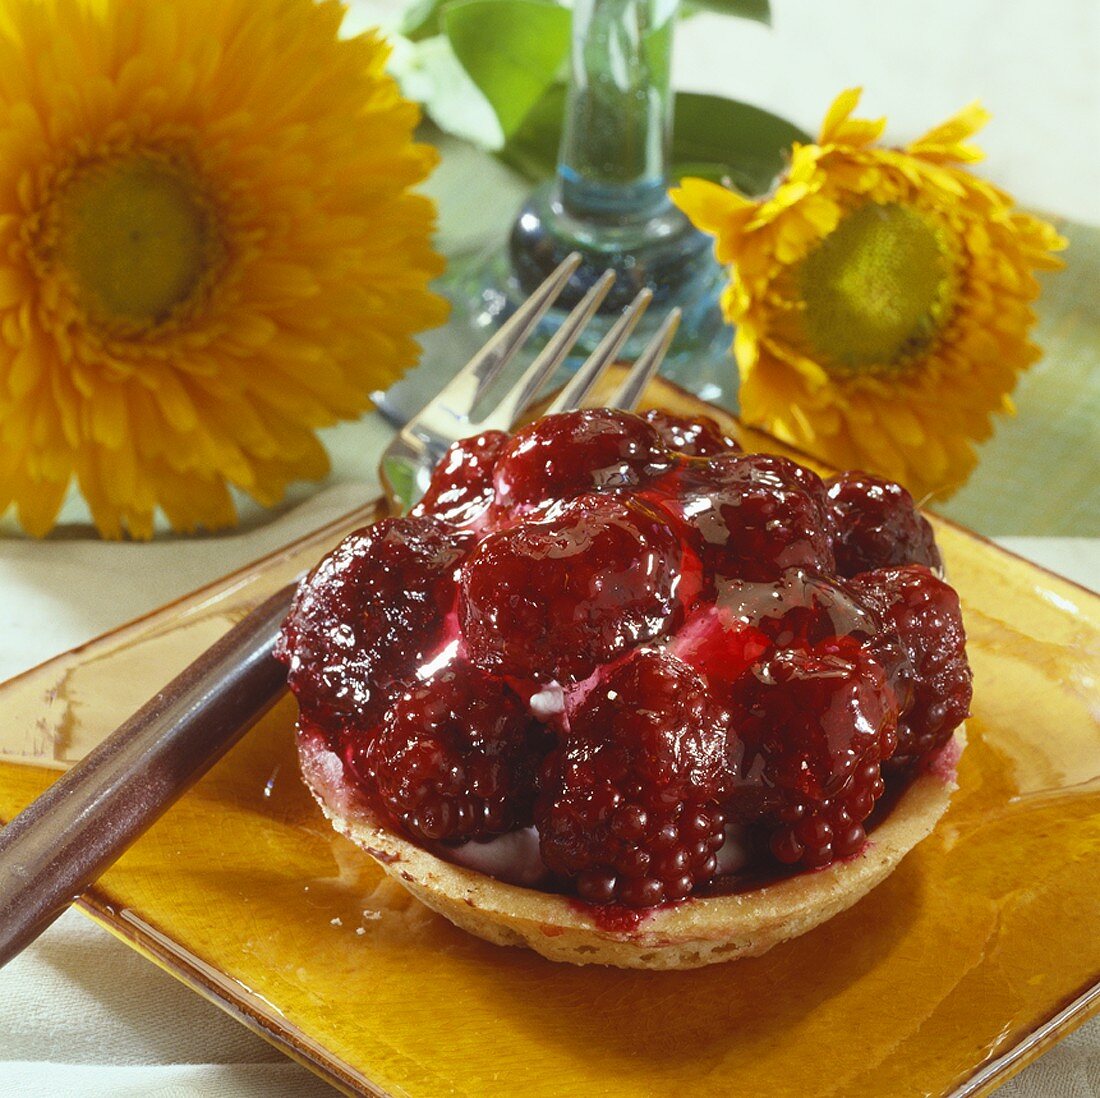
[[80, 1014]]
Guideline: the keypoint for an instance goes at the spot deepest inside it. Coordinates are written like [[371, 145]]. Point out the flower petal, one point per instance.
[[838, 113], [840, 129], [714, 209], [295, 274], [912, 413], [947, 140]]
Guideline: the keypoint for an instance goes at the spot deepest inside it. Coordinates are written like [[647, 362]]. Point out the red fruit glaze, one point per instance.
[[461, 488], [815, 724], [369, 614], [876, 523], [659, 654], [932, 679], [750, 618], [700, 437], [456, 756], [629, 808], [570, 454], [797, 608], [554, 597], [750, 516]]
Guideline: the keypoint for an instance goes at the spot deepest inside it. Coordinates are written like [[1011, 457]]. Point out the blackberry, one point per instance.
[[573, 453], [750, 516], [932, 679], [876, 523], [696, 437], [629, 807], [555, 597], [461, 488], [816, 724], [369, 614], [830, 831], [455, 758]]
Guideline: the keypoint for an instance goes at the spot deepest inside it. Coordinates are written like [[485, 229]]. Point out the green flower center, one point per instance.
[[138, 238], [876, 290]]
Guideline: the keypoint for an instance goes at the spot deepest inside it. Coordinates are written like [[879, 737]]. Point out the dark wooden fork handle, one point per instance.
[[63, 841]]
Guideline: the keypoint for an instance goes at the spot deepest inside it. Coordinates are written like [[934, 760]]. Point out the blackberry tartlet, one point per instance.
[[620, 692]]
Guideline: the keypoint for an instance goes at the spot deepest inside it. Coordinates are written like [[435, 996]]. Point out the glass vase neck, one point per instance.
[[614, 152], [608, 201]]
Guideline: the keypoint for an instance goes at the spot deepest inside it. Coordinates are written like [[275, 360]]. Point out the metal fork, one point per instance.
[[60, 844], [453, 414]]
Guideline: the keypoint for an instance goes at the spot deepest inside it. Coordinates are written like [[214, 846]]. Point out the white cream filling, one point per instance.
[[513, 857], [548, 702], [733, 854]]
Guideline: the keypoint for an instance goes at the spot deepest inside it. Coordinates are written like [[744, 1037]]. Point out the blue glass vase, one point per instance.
[[608, 200]]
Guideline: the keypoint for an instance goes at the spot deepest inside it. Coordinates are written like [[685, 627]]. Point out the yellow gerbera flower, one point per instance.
[[880, 296], [207, 250]]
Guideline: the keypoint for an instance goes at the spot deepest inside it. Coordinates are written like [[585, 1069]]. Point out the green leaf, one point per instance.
[[719, 138], [421, 20], [512, 49], [757, 10], [712, 137], [533, 147]]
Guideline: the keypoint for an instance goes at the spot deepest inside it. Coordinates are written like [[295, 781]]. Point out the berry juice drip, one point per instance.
[[614, 657]]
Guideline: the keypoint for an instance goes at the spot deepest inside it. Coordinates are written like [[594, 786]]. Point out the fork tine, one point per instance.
[[550, 357], [586, 377], [646, 366], [461, 393]]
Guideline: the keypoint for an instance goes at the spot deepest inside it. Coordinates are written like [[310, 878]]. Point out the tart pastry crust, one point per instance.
[[700, 931]]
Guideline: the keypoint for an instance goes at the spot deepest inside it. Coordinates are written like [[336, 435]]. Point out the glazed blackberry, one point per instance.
[[876, 523], [932, 678], [574, 453], [699, 437], [656, 664], [816, 724], [461, 488], [455, 758], [369, 614], [750, 516], [630, 808], [553, 597]]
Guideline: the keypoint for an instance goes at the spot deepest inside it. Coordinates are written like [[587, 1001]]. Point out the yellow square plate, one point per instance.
[[979, 951]]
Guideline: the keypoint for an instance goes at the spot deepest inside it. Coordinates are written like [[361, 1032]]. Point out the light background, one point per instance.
[[1034, 64]]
